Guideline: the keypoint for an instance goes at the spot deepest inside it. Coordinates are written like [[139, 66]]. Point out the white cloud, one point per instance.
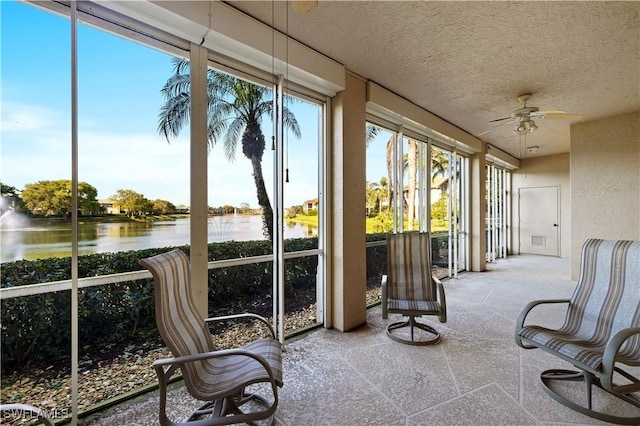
[[19, 117]]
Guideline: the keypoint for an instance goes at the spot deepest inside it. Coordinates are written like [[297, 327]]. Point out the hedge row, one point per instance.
[[37, 329]]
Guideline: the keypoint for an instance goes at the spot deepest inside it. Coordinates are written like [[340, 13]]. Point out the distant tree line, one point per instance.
[[243, 208], [53, 198]]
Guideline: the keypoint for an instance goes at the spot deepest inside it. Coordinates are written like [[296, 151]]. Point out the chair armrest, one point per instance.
[[177, 361], [523, 315], [611, 351], [246, 315], [384, 288], [443, 300]]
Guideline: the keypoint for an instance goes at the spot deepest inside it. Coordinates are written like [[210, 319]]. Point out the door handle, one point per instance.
[[555, 224]]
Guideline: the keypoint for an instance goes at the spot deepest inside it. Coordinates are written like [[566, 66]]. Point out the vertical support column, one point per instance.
[[348, 266], [278, 215], [478, 212], [198, 181], [74, 216]]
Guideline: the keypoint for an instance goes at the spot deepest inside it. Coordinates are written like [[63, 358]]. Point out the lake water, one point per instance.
[[20, 239]]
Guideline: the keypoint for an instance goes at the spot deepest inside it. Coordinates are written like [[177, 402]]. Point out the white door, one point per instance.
[[538, 217]]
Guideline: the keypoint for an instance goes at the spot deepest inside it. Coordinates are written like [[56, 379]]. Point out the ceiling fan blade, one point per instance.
[[493, 128], [500, 119], [566, 117], [551, 111]]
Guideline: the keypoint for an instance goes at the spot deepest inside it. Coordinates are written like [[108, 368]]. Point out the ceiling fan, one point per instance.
[[524, 118]]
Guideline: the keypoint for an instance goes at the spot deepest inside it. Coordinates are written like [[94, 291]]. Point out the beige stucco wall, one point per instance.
[[478, 207], [605, 181], [541, 172], [348, 236]]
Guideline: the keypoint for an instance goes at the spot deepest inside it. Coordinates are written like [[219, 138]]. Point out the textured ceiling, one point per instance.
[[468, 61]]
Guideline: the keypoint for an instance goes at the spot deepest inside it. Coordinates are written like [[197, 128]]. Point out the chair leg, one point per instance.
[[412, 323], [211, 408], [217, 412], [236, 402], [163, 382], [547, 376], [228, 411]]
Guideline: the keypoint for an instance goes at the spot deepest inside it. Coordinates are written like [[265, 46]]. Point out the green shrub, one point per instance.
[[37, 329], [376, 259]]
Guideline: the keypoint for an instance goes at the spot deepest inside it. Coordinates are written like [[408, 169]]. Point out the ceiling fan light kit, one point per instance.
[[524, 114], [526, 125]]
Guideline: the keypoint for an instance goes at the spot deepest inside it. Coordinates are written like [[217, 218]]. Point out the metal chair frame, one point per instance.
[[597, 342], [218, 377], [411, 289], [27, 410]]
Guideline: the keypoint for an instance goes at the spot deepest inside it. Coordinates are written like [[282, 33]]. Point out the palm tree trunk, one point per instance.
[[390, 166], [263, 198], [412, 160]]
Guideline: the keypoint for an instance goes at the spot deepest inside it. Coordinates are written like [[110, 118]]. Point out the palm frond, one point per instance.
[[219, 114], [291, 123], [174, 113], [372, 132], [181, 65], [175, 85], [233, 135], [264, 108], [173, 116]]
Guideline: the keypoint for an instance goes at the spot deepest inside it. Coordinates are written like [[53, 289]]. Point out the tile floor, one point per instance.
[[477, 375]]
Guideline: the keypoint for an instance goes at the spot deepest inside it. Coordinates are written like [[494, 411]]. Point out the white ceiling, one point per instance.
[[467, 61]]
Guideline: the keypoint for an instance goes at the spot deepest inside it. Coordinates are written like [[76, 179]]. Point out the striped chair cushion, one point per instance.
[[606, 300], [185, 333], [409, 266], [236, 372], [424, 306]]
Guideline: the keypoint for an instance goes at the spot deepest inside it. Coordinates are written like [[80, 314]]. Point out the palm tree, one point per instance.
[[439, 164], [411, 166], [235, 112], [373, 198], [384, 187]]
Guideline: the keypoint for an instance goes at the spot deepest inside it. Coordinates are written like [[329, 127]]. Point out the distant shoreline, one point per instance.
[[303, 219]]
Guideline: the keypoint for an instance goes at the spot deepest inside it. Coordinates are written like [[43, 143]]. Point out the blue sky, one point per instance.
[[119, 99]]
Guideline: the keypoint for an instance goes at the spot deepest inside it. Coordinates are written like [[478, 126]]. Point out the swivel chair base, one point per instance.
[[434, 336]]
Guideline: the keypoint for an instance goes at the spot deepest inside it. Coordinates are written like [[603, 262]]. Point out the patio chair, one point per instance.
[[410, 289], [601, 331], [218, 377], [24, 412]]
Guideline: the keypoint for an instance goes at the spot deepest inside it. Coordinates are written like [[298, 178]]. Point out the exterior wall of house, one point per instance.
[[348, 235], [538, 172], [310, 205], [605, 181]]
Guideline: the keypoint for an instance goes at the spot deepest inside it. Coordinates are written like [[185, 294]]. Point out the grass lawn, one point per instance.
[[303, 218]]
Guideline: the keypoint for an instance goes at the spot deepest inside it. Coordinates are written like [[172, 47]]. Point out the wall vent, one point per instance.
[[538, 240]]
